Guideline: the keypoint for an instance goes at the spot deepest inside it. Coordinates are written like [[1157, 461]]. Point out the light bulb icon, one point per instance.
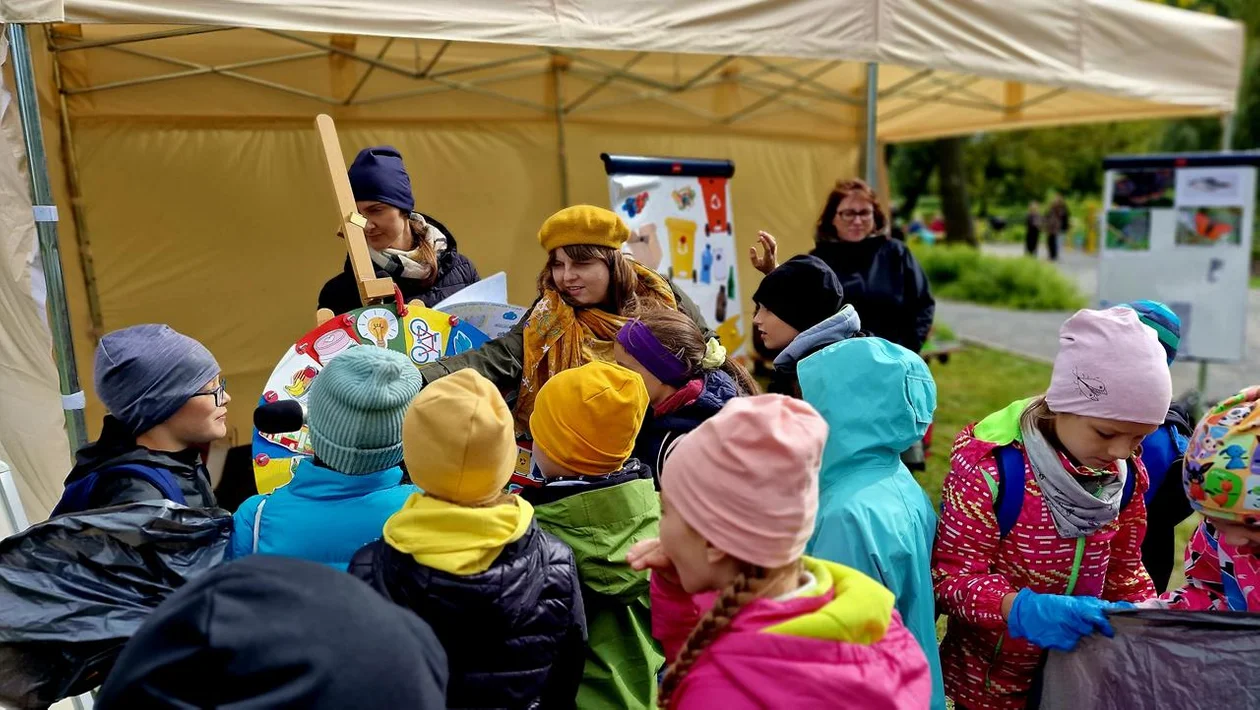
[[379, 328]]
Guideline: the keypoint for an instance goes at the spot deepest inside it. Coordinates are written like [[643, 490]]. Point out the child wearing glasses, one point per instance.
[[167, 401]]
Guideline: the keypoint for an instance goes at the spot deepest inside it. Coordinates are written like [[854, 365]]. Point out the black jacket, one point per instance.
[[515, 635], [886, 285], [117, 446], [455, 272], [268, 632]]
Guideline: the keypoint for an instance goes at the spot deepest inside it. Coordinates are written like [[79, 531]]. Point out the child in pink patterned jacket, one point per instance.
[[1037, 577], [1222, 480]]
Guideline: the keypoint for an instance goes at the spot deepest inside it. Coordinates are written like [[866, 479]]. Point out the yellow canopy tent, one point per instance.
[[180, 146]]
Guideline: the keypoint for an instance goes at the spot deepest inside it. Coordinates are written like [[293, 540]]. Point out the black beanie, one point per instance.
[[802, 292], [270, 632]]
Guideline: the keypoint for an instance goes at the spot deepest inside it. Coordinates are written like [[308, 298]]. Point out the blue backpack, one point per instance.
[[1159, 452], [77, 496], [1008, 489]]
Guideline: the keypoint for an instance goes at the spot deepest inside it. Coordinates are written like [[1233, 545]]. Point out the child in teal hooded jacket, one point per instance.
[[878, 398]]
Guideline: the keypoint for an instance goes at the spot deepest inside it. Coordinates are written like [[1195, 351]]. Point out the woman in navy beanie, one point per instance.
[[413, 249]]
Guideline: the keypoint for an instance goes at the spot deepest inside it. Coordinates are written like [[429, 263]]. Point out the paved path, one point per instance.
[[1036, 335]]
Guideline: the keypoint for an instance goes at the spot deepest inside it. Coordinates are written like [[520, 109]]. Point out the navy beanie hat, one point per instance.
[[377, 174], [145, 373], [802, 292]]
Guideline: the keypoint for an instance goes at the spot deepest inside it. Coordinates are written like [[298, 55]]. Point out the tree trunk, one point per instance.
[[955, 207]]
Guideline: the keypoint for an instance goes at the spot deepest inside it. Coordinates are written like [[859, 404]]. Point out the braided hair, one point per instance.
[[738, 594]]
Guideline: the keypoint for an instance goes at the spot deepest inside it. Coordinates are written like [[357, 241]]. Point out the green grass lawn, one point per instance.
[[1255, 282], [976, 382]]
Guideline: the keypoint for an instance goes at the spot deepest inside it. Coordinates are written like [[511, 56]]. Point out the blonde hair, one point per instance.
[[1038, 415], [748, 585]]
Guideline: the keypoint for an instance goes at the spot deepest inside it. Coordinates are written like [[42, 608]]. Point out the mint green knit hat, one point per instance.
[[355, 409]]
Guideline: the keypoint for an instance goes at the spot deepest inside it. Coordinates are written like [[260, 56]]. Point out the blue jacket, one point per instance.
[[878, 399], [321, 515], [660, 432]]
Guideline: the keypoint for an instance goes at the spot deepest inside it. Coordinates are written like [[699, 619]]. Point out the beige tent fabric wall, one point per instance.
[[32, 431], [227, 233]]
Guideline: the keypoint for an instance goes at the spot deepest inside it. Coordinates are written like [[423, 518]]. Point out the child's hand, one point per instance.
[[648, 554]]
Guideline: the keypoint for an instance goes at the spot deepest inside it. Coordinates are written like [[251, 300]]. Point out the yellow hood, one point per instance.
[[860, 612], [455, 539]]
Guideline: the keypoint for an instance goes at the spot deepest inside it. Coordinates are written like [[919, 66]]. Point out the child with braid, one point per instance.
[[744, 619]]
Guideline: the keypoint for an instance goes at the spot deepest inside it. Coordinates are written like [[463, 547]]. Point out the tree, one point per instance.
[[955, 206]]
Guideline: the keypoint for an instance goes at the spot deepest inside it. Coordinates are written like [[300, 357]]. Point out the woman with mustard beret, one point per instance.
[[585, 293]]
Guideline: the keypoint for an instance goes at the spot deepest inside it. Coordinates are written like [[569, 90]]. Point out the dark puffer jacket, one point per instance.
[[515, 635], [660, 432], [117, 446], [455, 272]]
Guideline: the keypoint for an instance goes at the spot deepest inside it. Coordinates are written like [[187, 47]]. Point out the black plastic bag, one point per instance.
[[1160, 659], [75, 588]]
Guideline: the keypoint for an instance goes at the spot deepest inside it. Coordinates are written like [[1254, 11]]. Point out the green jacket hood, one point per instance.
[[601, 525]]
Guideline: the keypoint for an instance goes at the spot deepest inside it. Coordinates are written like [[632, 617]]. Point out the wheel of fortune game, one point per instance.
[[422, 334]]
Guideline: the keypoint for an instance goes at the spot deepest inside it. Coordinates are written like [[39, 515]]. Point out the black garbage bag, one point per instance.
[[1160, 659], [73, 590]]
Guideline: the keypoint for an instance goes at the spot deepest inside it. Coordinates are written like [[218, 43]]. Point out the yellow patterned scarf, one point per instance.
[[559, 337]]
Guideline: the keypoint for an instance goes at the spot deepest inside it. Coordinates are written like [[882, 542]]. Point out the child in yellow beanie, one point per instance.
[[600, 501], [501, 594]]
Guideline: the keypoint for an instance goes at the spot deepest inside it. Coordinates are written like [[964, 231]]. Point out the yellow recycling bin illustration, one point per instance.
[[682, 243]]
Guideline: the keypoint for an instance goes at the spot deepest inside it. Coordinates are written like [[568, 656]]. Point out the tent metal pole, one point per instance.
[[46, 228], [70, 163], [562, 154], [872, 118]]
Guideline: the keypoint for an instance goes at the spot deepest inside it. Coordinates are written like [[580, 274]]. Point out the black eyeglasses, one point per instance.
[[851, 215], [219, 393]]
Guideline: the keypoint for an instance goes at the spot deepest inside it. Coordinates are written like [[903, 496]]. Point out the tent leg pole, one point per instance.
[[561, 151], [46, 228], [872, 104], [70, 163]]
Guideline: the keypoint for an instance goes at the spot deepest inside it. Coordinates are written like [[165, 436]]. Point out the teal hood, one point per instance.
[[878, 399]]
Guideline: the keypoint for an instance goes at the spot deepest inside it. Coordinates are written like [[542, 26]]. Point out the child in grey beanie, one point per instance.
[[166, 401]]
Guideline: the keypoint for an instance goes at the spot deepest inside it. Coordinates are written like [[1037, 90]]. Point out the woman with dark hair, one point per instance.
[[413, 249], [586, 292], [879, 276]]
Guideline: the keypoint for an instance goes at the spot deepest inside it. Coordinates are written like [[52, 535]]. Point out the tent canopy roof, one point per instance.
[[751, 65]]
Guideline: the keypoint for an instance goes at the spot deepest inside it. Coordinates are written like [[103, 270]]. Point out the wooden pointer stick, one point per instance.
[[350, 222]]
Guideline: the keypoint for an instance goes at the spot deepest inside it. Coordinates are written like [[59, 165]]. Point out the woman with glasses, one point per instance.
[[167, 402], [879, 276]]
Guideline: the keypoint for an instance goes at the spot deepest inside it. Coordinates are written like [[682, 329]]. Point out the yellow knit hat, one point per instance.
[[583, 224], [586, 418], [458, 439]]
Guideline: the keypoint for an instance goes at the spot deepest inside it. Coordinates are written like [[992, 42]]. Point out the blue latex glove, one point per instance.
[[1059, 621]]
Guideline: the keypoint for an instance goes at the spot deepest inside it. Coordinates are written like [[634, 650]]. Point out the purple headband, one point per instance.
[[643, 346]]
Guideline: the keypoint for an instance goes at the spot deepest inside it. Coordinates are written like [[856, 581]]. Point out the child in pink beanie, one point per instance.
[[1042, 516], [744, 618]]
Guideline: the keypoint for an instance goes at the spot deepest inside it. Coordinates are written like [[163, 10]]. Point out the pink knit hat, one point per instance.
[[1110, 366], [747, 479]]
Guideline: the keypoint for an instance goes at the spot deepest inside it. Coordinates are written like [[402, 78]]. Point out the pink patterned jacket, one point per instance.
[[1210, 562], [973, 569]]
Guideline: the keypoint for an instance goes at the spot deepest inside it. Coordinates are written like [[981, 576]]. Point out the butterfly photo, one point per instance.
[[1207, 226]]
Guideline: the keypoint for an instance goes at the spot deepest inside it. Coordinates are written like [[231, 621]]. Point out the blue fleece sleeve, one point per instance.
[[243, 528]]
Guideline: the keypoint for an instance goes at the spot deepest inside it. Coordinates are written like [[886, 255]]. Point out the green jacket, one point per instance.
[[600, 521], [502, 360]]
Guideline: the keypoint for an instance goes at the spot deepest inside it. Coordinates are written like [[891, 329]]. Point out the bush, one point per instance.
[[961, 273]]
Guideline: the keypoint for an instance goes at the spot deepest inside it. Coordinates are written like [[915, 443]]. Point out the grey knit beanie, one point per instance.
[[145, 373], [356, 406]]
